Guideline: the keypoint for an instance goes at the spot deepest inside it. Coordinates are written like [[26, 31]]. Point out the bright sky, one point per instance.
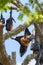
[[12, 45]]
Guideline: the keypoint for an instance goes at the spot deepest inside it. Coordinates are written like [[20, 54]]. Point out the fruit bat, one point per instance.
[[2, 20], [9, 22], [35, 45], [23, 41]]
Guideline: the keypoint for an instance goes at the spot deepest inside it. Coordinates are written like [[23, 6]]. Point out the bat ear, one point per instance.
[[27, 32], [22, 50]]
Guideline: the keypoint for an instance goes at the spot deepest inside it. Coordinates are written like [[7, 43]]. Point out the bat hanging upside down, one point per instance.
[[9, 22], [23, 41]]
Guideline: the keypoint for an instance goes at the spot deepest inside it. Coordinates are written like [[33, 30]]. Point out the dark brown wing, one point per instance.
[[17, 39], [23, 49], [27, 32]]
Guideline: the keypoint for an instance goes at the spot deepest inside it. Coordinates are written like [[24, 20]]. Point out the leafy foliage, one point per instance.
[[20, 17], [3, 3], [35, 15], [26, 10]]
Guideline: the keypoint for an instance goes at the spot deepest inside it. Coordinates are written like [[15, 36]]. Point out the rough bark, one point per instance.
[[27, 59], [3, 55], [39, 31], [15, 31]]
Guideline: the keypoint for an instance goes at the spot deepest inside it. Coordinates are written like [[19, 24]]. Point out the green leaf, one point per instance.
[[20, 17], [32, 5], [6, 7], [42, 4], [37, 9], [26, 10], [31, 1], [4, 2]]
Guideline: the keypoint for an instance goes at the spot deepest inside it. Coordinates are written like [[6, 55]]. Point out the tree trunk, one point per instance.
[[3, 55], [39, 33]]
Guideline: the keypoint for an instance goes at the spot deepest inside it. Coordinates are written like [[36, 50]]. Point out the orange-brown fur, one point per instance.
[[24, 41]]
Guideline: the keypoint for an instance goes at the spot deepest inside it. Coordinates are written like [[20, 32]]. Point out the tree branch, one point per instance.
[[3, 55], [39, 5], [18, 4], [21, 28], [15, 31], [28, 58], [13, 8], [38, 31]]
